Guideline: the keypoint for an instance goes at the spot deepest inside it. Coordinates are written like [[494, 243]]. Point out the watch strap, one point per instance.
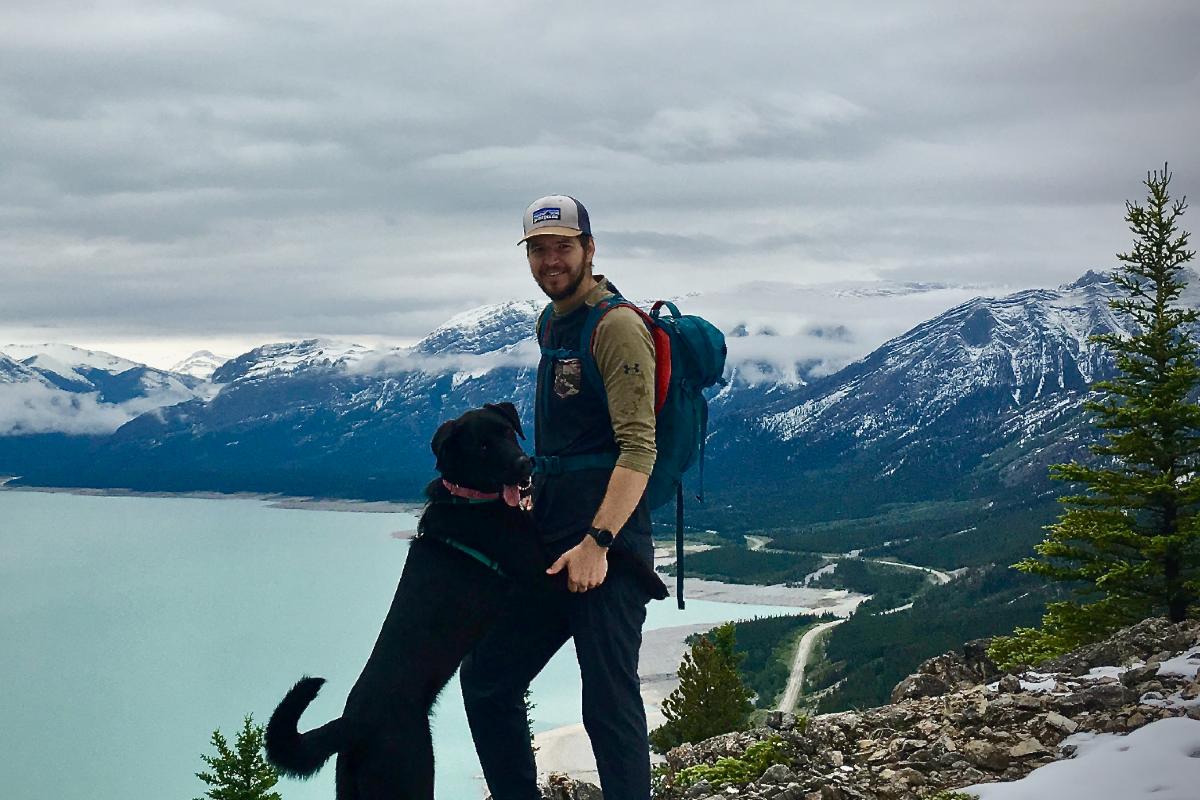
[[601, 536]]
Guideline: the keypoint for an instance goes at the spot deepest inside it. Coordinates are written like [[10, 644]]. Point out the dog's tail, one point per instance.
[[295, 754]]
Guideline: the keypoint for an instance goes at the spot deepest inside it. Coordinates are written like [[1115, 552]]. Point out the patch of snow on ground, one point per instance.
[[1038, 682], [1160, 761], [1111, 672], [1156, 700], [1031, 681], [1185, 664]]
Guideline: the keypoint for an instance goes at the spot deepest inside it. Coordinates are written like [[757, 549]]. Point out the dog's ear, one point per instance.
[[509, 412], [443, 435]]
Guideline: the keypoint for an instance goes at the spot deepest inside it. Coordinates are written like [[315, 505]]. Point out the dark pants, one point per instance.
[[606, 624]]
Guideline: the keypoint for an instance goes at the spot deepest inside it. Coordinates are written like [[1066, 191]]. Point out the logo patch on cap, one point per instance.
[[546, 214]]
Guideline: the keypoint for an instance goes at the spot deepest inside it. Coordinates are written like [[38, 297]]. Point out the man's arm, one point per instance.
[[625, 490]]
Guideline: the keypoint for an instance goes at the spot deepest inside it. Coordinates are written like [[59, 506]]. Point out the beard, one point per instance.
[[570, 288]]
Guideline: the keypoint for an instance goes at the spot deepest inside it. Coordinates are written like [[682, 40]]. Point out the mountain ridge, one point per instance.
[[973, 400]]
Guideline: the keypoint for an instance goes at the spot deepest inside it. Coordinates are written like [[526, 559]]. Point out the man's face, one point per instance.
[[559, 264]]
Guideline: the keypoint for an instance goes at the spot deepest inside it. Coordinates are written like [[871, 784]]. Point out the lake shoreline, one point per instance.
[[275, 500]]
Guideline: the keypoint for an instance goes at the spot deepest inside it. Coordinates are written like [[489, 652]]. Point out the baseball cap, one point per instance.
[[558, 215]]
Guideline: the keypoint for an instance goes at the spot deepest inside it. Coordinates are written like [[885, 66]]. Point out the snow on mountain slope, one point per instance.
[[68, 361], [1015, 349], [116, 379], [13, 371], [66, 389], [200, 364], [284, 359], [485, 329]]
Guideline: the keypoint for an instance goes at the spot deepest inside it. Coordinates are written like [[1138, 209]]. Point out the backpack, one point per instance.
[[689, 357]]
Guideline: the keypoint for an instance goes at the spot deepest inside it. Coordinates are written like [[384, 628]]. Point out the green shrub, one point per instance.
[[1066, 626], [726, 771]]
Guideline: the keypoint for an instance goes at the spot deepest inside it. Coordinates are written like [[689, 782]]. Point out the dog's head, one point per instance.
[[479, 451]]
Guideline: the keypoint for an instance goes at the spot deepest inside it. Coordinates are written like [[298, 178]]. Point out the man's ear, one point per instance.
[[442, 436], [509, 412]]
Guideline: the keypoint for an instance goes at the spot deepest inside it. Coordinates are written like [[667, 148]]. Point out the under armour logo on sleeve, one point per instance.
[[633, 369]]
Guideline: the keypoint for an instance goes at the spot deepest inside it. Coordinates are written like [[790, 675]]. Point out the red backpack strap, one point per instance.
[[658, 337]]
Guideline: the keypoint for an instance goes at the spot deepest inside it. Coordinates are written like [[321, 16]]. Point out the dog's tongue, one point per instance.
[[512, 495]]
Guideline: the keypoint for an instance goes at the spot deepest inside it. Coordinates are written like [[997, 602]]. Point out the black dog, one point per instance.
[[474, 541]]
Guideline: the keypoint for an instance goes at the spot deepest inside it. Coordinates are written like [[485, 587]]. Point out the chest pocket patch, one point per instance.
[[568, 377]]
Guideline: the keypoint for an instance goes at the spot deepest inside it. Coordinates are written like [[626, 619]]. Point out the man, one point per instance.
[[581, 513]]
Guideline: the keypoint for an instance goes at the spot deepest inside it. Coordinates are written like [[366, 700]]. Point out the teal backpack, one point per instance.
[[689, 357]]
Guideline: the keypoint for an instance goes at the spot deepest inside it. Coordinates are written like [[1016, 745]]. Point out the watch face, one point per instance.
[[603, 538]]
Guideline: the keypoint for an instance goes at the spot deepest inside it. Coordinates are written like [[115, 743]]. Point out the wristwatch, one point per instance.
[[602, 537]]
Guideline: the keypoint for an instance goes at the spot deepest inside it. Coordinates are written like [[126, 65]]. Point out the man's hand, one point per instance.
[[586, 564]]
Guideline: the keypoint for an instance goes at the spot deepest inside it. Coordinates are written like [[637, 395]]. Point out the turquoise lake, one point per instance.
[[132, 627]]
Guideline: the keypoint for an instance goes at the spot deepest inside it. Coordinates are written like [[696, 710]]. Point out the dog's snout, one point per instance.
[[524, 467]]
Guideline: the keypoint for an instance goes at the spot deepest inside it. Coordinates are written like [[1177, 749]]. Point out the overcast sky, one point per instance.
[[224, 174]]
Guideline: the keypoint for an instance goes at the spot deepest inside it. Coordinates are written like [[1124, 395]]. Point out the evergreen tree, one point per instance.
[[710, 699], [1132, 540], [241, 773]]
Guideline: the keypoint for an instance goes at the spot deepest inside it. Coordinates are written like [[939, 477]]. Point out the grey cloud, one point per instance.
[[29, 408], [525, 354], [263, 166]]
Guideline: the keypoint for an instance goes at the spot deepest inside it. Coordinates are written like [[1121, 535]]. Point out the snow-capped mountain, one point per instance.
[[112, 378], [283, 359], [1019, 348], [200, 364], [65, 389], [976, 398], [487, 329]]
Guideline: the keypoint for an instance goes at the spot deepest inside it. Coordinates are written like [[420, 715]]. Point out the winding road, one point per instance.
[[803, 650], [938, 576], [791, 693], [759, 543]]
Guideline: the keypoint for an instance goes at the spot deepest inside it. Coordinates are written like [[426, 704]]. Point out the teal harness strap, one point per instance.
[[468, 501], [473, 553]]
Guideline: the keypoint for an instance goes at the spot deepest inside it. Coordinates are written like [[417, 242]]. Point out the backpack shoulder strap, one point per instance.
[[587, 336], [543, 322]]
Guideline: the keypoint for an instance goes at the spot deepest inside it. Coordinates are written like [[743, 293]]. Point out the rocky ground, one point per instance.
[[958, 721]]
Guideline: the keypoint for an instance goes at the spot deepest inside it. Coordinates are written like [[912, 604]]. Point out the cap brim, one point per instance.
[[550, 230]]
